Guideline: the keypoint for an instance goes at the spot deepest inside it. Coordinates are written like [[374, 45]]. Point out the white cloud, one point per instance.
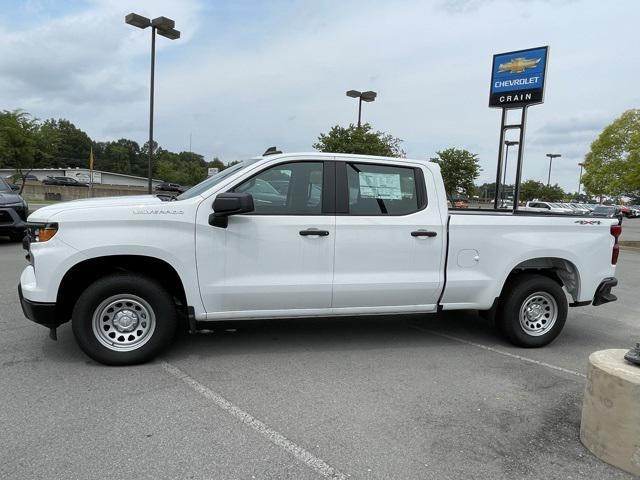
[[241, 80]]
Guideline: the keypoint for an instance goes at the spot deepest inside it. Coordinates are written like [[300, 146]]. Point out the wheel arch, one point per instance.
[[82, 274], [561, 270]]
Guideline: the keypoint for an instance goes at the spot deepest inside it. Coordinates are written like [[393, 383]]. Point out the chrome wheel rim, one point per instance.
[[538, 313], [123, 322]]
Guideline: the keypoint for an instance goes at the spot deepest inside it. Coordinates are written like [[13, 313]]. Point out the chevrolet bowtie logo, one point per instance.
[[518, 65]]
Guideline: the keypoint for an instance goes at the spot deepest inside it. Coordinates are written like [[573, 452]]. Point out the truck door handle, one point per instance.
[[313, 231], [423, 233]]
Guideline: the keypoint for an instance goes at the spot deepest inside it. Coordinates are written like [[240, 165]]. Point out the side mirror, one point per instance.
[[227, 204], [14, 187]]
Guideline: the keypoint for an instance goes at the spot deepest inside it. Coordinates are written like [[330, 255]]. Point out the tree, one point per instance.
[[27, 143], [361, 140], [612, 166], [459, 169], [534, 190], [552, 193], [73, 145], [24, 144], [216, 163], [531, 190], [185, 168]]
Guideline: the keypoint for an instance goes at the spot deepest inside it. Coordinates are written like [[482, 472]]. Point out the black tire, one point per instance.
[[544, 296], [144, 304]]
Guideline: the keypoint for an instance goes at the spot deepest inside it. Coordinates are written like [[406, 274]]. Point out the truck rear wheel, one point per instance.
[[533, 310], [124, 319]]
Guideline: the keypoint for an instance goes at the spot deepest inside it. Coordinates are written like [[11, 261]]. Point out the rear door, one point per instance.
[[389, 238]]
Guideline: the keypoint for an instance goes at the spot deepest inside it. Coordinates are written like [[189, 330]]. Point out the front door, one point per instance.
[[389, 239], [277, 260]]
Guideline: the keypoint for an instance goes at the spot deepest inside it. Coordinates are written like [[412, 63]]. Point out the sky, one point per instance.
[[247, 75]]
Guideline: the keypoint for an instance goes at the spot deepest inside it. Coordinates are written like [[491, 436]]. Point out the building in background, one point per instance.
[[82, 175]]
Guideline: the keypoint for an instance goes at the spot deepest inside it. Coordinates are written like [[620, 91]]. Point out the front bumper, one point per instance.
[[11, 222], [42, 313], [603, 293]]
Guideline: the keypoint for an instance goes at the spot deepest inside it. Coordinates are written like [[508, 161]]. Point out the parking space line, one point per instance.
[[317, 464], [501, 352]]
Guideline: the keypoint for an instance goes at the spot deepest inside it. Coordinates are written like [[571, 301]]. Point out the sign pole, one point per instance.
[[91, 172], [499, 169], [517, 81], [516, 191]]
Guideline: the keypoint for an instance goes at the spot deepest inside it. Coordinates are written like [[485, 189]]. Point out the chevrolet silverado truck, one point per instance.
[[304, 235]]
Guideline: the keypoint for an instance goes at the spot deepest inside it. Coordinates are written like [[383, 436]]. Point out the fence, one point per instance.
[[39, 192]]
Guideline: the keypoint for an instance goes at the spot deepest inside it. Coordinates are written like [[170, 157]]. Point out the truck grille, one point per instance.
[[5, 217]]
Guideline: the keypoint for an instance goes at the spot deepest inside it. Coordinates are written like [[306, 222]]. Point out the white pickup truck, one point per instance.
[[304, 235]]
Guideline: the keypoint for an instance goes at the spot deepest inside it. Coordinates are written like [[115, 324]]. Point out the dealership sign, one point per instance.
[[517, 78]]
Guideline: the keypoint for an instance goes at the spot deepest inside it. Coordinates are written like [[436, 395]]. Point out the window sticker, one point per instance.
[[385, 186]]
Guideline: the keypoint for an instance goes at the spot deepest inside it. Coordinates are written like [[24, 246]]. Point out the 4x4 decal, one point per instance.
[[588, 222]]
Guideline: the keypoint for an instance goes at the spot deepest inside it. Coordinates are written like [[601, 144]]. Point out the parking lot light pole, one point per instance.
[[368, 96], [163, 26], [551, 157], [580, 178]]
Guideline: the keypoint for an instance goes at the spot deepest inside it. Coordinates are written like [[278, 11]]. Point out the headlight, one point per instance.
[[41, 232]]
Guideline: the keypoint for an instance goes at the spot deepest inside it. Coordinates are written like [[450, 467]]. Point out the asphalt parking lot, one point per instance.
[[437, 397]]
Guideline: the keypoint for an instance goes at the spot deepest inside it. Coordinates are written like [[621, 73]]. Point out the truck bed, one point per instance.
[[485, 246]]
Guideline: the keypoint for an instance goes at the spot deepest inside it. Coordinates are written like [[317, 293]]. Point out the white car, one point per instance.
[[580, 208], [333, 235], [548, 207]]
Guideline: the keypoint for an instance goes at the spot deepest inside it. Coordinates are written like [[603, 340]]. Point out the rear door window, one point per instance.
[[383, 189]]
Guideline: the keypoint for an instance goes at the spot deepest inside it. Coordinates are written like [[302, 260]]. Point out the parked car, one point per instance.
[[626, 211], [18, 178], [607, 211], [63, 181], [376, 238], [459, 201], [169, 187], [13, 212], [549, 207], [580, 208]]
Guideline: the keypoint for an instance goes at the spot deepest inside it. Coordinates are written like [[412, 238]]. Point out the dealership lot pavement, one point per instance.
[[371, 398], [631, 229]]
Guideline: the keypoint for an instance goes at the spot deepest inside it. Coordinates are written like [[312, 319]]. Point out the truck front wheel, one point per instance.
[[532, 311], [124, 319]]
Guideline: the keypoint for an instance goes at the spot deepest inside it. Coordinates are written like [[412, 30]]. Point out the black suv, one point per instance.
[[13, 212], [170, 187], [63, 181]]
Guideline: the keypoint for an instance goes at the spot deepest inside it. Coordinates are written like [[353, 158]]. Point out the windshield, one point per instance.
[[4, 187], [215, 179]]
